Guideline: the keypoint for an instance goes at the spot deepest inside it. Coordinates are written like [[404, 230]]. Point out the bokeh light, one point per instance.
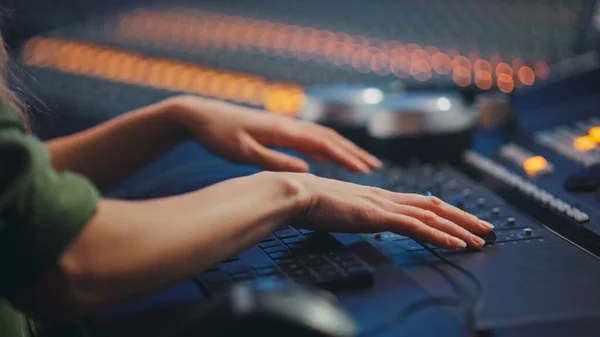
[[128, 67]]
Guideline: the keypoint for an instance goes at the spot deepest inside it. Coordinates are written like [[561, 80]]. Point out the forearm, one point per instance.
[[133, 248], [112, 151]]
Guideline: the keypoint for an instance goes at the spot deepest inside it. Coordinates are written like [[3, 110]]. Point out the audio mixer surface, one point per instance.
[[539, 185]]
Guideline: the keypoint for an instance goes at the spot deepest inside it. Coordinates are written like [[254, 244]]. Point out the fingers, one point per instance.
[[320, 142], [272, 160], [432, 219], [423, 233], [363, 155], [449, 212], [325, 148]]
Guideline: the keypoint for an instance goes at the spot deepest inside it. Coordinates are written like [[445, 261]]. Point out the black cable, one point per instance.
[[479, 297], [474, 310]]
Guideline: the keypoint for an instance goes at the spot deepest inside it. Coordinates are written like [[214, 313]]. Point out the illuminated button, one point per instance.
[[584, 143], [528, 232], [511, 222], [496, 211], [594, 134], [480, 202], [580, 216], [466, 194], [535, 165]]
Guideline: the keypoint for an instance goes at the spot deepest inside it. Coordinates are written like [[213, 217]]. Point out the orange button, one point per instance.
[[595, 134], [533, 165], [584, 143]]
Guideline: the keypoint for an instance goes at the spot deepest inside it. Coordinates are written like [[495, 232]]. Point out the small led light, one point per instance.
[[372, 96], [533, 165], [584, 143], [594, 133], [443, 104]]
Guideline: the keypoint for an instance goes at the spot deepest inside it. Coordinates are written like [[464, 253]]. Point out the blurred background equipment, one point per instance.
[[490, 105]]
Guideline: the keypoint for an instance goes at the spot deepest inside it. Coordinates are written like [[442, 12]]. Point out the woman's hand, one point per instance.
[[337, 206], [243, 135]]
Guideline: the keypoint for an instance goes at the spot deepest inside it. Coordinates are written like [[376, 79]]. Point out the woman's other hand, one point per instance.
[[244, 135]]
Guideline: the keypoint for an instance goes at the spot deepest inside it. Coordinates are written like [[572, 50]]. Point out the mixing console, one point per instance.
[[541, 188]]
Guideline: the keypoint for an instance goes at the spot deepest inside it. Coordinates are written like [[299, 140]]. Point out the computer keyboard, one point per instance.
[[300, 255]]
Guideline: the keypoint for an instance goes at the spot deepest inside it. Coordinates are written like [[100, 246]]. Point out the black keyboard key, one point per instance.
[[267, 271], [306, 279], [269, 244], [298, 245], [291, 266], [323, 268], [317, 262], [231, 259], [285, 261], [239, 268], [330, 275], [286, 233], [310, 257], [214, 282], [340, 258], [257, 266], [297, 273], [293, 240], [305, 231], [275, 249], [268, 238], [350, 264], [279, 255], [361, 269], [243, 276], [214, 277]]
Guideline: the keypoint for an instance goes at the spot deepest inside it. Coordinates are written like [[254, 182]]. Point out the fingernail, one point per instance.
[[377, 162], [460, 243], [479, 240], [487, 224], [363, 168]]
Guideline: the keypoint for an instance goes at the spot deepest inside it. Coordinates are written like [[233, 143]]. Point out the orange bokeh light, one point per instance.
[[483, 79], [421, 70], [526, 75], [584, 143], [462, 62], [504, 69], [481, 64], [594, 133], [441, 63], [534, 165], [541, 70], [461, 76], [505, 83]]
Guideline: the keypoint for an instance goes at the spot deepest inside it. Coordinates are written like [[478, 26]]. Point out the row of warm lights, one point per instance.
[[128, 67], [198, 29], [589, 141]]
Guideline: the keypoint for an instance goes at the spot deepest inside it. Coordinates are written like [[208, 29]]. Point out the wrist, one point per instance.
[[294, 189], [186, 113]]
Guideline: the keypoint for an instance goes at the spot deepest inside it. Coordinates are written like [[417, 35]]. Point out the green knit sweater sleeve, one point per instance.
[[41, 210]]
